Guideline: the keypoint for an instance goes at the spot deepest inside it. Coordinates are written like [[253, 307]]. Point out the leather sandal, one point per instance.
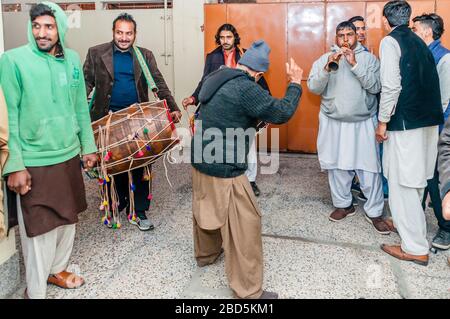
[[66, 280]]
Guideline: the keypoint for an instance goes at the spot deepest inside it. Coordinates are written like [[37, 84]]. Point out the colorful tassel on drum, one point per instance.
[[116, 226], [140, 154], [106, 220], [107, 156], [150, 196]]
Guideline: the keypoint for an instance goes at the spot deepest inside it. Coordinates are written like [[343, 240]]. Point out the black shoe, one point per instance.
[[354, 201], [441, 240], [355, 187], [268, 295], [255, 188], [361, 197]]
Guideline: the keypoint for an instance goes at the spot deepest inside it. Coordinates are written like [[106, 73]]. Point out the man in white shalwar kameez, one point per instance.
[[410, 112], [346, 143]]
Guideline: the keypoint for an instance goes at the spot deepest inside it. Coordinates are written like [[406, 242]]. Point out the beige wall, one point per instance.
[[89, 28], [8, 245]]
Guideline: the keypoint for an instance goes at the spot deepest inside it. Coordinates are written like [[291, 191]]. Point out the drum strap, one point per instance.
[[91, 102], [148, 76]]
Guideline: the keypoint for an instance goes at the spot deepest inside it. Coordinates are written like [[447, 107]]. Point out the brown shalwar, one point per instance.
[[225, 214]]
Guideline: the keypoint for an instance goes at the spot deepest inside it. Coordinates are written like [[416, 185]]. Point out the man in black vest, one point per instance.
[[410, 113], [228, 53]]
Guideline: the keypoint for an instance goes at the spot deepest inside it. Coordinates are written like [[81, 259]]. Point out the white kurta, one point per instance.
[[409, 157], [252, 169], [348, 145]]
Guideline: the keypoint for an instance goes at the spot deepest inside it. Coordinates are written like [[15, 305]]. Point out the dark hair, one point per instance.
[[397, 12], [433, 21], [356, 18], [125, 17], [40, 10], [232, 29], [345, 25]]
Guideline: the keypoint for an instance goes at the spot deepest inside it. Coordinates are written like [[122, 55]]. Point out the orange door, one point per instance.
[[304, 29], [215, 16], [268, 22], [374, 25], [338, 12], [306, 43], [443, 9], [420, 7]]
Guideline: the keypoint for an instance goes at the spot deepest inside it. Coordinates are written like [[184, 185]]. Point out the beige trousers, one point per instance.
[[44, 255], [225, 214]]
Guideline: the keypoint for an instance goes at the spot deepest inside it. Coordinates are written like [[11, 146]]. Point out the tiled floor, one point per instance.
[[305, 255]]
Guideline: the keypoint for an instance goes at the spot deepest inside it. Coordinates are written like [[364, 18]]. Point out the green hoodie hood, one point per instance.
[[47, 106], [61, 22]]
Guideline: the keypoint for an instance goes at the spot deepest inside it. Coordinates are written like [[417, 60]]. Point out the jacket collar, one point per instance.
[[107, 58], [438, 50]]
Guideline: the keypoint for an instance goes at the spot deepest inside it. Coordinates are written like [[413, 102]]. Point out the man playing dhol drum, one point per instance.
[[114, 70]]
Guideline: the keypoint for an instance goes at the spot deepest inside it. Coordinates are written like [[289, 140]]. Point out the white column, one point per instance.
[[188, 18], [1, 28]]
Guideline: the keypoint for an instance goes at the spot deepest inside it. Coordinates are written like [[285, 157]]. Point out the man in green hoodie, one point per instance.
[[50, 128]]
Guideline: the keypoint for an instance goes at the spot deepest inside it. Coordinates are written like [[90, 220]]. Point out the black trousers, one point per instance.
[[141, 191], [435, 195]]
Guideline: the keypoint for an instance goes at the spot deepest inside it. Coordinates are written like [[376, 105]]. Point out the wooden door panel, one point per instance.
[[306, 43], [303, 127], [443, 9], [215, 16], [338, 12], [273, 30]]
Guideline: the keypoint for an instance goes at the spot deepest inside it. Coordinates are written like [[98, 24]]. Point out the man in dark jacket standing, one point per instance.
[[408, 122], [228, 53], [113, 70], [225, 211]]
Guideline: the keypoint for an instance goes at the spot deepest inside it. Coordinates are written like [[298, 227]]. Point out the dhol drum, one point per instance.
[[133, 137]]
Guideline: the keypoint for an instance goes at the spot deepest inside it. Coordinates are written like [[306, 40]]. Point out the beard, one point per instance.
[[47, 48], [227, 46], [124, 45]]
